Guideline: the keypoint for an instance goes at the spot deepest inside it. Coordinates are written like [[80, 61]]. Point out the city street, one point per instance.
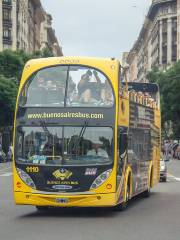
[[89, 96], [157, 217]]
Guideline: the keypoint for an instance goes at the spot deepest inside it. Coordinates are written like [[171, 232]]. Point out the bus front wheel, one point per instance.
[[123, 206], [148, 190]]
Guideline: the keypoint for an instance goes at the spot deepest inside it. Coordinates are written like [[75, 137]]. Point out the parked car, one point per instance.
[[163, 170], [9, 154]]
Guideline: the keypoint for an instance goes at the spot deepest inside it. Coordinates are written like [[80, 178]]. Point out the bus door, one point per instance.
[[122, 152], [134, 160]]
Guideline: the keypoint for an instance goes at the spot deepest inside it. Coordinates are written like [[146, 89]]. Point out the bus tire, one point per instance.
[[124, 205], [164, 179], [147, 193]]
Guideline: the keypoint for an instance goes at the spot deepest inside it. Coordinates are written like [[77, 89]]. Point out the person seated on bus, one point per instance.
[[106, 97], [97, 150], [84, 82], [53, 95], [51, 85], [72, 95], [90, 81], [41, 83], [37, 92], [86, 97], [60, 91]]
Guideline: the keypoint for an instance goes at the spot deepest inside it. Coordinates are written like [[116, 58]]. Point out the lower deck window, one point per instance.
[[64, 145]]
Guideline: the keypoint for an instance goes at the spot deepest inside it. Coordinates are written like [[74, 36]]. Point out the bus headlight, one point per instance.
[[26, 178], [101, 179]]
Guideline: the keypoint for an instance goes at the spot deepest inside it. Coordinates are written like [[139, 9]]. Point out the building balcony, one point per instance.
[[154, 8], [164, 31], [164, 59], [7, 4], [164, 44], [174, 58], [7, 40], [7, 22]]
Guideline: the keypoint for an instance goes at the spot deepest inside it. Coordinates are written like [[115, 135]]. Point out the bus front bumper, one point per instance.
[[84, 200]]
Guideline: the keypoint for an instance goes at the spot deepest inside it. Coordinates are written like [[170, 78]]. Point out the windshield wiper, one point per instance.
[[81, 134]]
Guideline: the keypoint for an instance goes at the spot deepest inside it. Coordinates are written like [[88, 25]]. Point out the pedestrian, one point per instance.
[[2, 155]]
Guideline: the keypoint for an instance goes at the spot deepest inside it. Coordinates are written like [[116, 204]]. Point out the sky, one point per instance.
[[97, 28]]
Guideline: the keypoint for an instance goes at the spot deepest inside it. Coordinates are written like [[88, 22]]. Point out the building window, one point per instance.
[[174, 53], [174, 39], [174, 24], [165, 9], [174, 8], [6, 15], [164, 55], [164, 26], [7, 33], [7, 1]]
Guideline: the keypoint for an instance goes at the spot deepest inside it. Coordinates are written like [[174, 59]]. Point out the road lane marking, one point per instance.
[[4, 169], [6, 174], [173, 177], [177, 179]]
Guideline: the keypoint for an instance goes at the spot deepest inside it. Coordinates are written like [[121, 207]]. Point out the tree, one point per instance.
[[169, 83], [11, 66], [8, 93], [11, 63]]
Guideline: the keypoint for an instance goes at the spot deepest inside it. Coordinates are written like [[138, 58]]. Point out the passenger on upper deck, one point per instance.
[[106, 95], [86, 97], [37, 91], [87, 82], [40, 82]]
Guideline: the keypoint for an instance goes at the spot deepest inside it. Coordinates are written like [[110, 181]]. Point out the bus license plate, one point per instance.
[[62, 200]]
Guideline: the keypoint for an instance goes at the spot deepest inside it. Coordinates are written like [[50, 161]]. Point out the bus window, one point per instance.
[[45, 88], [65, 145], [88, 87]]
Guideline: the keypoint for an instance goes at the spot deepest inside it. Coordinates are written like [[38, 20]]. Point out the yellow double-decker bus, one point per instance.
[[83, 138]]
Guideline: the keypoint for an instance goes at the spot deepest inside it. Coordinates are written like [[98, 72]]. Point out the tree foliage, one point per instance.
[[169, 83], [11, 66], [8, 93], [12, 62]]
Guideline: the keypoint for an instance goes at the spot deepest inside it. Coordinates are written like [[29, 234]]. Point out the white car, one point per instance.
[[163, 171]]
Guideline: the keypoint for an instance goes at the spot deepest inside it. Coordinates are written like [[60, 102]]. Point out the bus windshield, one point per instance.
[[47, 145], [67, 86]]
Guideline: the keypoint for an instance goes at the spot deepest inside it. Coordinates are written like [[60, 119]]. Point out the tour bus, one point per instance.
[[84, 137]]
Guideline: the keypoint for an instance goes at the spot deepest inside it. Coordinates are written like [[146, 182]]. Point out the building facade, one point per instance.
[[48, 38], [158, 44], [22, 25]]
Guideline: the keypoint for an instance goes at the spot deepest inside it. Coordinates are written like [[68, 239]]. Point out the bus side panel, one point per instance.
[[157, 147], [123, 125]]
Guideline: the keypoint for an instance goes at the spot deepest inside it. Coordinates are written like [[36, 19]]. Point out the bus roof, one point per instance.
[[107, 65], [70, 60]]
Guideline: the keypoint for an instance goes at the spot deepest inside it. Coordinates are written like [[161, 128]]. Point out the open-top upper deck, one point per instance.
[[107, 65], [69, 82]]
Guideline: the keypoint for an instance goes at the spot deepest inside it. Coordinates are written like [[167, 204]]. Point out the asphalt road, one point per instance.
[[154, 218]]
